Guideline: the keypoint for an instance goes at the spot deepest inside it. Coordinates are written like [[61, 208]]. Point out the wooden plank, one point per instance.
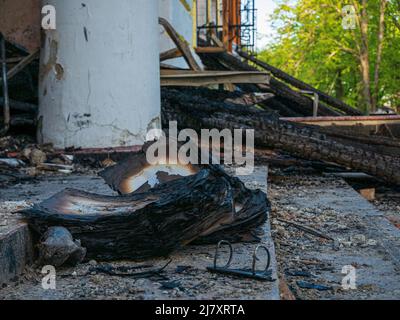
[[225, 19], [22, 64], [180, 44], [368, 193], [346, 121], [14, 59], [296, 101], [170, 54], [209, 50], [169, 66], [190, 78], [216, 40], [302, 85]]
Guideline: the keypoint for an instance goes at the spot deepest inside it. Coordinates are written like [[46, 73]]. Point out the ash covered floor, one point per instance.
[[185, 277], [362, 237]]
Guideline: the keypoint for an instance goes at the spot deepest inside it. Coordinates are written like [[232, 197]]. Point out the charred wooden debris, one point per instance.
[[350, 147], [192, 204], [161, 208], [19, 86], [258, 106], [373, 155]]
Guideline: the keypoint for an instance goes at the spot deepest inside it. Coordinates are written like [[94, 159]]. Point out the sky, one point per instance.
[[264, 28]]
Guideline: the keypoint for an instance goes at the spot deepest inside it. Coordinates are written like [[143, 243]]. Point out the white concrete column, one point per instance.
[[99, 77]]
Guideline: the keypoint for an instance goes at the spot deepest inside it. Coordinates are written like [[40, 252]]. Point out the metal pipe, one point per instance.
[[315, 101], [6, 105], [316, 104]]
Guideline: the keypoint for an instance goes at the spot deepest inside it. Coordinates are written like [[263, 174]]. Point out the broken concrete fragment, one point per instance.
[[58, 247], [37, 157]]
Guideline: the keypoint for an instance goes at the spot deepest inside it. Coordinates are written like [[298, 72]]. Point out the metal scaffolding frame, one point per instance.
[[234, 22]]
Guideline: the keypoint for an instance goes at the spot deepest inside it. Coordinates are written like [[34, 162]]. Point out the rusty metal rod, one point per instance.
[[6, 105], [306, 229]]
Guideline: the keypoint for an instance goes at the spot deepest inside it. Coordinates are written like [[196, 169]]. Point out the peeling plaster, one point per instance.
[[46, 68], [59, 71], [93, 98]]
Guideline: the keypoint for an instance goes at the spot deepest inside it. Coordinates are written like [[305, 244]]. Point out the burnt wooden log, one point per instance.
[[308, 142], [294, 100], [180, 44], [153, 223], [20, 106], [22, 120], [302, 85], [280, 106]]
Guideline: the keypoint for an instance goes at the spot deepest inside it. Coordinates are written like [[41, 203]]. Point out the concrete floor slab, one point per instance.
[[363, 238], [16, 244], [195, 282]]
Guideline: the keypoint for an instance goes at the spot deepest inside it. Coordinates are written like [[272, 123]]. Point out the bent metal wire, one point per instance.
[[252, 273]]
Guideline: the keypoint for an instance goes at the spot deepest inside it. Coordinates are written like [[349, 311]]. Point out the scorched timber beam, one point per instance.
[[194, 79], [180, 44], [170, 54], [346, 121], [308, 142], [295, 100], [23, 64], [209, 49], [302, 85]]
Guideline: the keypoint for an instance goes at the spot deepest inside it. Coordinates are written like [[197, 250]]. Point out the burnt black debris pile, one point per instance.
[[204, 206], [192, 108]]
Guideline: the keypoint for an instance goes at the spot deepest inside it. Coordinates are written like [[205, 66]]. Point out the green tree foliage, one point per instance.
[[313, 45]]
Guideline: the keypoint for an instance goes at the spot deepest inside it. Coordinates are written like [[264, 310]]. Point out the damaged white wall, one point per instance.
[[99, 78]]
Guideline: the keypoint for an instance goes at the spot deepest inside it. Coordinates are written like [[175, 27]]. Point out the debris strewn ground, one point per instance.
[[310, 267], [185, 277], [362, 238]]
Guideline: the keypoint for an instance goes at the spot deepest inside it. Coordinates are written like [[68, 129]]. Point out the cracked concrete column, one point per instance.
[[99, 76]]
